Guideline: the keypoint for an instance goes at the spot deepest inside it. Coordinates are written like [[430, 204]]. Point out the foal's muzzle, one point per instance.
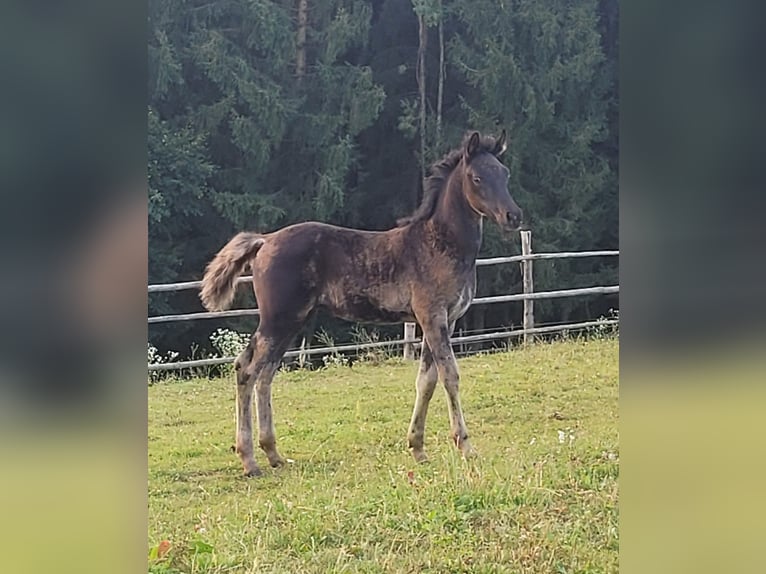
[[511, 220]]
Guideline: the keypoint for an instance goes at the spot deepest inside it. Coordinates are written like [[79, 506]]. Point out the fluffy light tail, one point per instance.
[[219, 282]]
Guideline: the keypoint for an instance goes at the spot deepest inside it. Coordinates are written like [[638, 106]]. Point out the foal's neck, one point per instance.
[[455, 216]]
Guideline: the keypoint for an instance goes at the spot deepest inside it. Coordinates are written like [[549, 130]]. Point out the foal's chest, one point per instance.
[[463, 301]]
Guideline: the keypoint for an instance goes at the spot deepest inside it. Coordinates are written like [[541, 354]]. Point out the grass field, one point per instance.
[[542, 496]]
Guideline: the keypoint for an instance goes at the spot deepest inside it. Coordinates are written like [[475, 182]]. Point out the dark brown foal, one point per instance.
[[424, 270]]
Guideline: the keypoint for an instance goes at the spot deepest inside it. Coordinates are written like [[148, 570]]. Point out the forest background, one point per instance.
[[264, 113]]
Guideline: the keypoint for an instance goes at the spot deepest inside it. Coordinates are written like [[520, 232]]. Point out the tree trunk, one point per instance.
[[421, 76], [300, 41], [440, 93]]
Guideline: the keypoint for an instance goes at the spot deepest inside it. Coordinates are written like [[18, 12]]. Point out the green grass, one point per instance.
[[542, 496]]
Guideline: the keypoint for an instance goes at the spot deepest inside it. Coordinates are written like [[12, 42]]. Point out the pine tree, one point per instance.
[[538, 68], [268, 112]]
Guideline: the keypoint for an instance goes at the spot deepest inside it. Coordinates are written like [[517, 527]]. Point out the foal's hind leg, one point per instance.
[[266, 434], [425, 385], [245, 382], [255, 368]]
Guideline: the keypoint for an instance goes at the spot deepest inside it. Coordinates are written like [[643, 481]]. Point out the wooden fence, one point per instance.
[[409, 341]]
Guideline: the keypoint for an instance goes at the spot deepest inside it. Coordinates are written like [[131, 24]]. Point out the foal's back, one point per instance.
[[354, 274]]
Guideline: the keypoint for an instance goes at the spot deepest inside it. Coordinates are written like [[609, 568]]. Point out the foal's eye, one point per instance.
[[476, 179]]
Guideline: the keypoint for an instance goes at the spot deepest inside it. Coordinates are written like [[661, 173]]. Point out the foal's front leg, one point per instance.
[[428, 375], [437, 333]]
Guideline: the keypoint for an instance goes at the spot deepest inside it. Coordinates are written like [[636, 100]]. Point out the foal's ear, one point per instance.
[[501, 144], [472, 146]]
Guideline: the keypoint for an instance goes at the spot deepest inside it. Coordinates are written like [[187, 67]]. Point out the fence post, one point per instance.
[[409, 335], [527, 285], [302, 356]]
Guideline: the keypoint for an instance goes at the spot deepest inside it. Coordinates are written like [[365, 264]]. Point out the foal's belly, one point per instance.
[[367, 308]]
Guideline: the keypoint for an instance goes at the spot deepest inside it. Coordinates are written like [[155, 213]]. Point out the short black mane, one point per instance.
[[439, 173]]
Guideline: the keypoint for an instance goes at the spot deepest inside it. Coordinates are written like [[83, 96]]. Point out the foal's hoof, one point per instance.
[[420, 456], [277, 462], [467, 450], [252, 472], [469, 453]]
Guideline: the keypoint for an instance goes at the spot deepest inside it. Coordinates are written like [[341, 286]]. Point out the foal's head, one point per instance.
[[486, 182]]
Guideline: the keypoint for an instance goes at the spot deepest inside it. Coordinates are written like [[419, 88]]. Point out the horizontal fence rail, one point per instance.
[[409, 342], [477, 301], [189, 285], [547, 295], [535, 256], [203, 315], [393, 343], [165, 287]]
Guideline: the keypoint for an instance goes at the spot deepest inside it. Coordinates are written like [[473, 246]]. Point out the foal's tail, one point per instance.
[[218, 284]]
